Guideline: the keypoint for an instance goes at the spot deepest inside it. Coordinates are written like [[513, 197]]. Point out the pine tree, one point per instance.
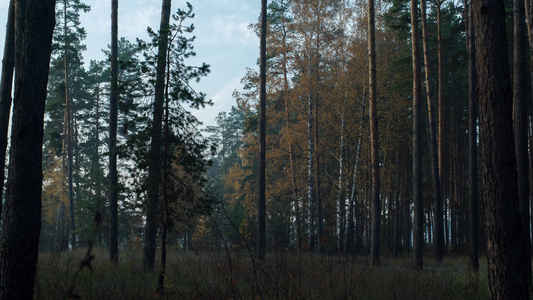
[[418, 231], [520, 120], [472, 143], [437, 194], [171, 76], [261, 213], [154, 174], [34, 23], [6, 83], [374, 137], [113, 119], [507, 263], [66, 95]]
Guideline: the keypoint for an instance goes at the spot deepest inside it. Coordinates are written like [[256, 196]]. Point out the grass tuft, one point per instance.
[[283, 275]]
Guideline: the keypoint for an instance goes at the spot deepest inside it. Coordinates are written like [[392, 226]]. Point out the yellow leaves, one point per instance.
[[55, 191], [234, 183], [201, 238]]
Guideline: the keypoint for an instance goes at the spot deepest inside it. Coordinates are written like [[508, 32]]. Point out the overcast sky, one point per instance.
[[222, 39]]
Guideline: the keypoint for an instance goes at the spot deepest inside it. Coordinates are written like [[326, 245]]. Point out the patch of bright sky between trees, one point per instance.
[[223, 40]]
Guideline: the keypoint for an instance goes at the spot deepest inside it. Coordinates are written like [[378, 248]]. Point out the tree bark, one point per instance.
[[507, 261], [418, 226], [113, 120], [34, 23], [350, 232], [374, 138], [438, 236], [341, 198], [397, 214], [154, 167], [6, 85], [472, 143], [296, 202], [165, 186], [441, 119], [529, 17], [68, 124], [310, 182], [520, 120], [321, 239], [261, 213]]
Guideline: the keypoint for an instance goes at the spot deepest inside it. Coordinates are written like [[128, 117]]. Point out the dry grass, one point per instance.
[[283, 275]]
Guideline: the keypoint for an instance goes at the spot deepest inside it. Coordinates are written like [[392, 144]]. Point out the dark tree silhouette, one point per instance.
[[418, 230], [438, 239], [374, 137], [507, 262], [113, 118], [472, 144], [34, 24], [154, 169], [261, 226], [520, 84], [6, 85]]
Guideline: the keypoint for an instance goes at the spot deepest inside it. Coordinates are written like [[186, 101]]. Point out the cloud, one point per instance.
[[224, 95], [222, 100], [135, 19], [229, 29], [224, 22]]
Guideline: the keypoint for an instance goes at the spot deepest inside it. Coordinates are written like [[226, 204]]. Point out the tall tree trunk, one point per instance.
[[529, 17], [97, 186], [341, 197], [154, 167], [113, 120], [310, 183], [397, 215], [472, 143], [437, 196], [374, 138], [34, 23], [296, 202], [441, 117], [164, 238], [6, 85], [76, 164], [418, 226], [321, 239], [520, 120], [428, 230], [350, 232], [530, 136], [261, 213], [507, 262], [166, 211], [68, 124]]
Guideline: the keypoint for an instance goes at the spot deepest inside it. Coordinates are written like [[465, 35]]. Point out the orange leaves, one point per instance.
[[55, 192]]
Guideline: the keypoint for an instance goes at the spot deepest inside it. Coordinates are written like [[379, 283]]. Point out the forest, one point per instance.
[[378, 150]]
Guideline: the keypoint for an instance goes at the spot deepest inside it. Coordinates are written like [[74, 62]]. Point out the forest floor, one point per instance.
[[283, 275]]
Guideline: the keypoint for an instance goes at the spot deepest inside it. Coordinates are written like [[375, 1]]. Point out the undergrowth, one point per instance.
[[283, 275]]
